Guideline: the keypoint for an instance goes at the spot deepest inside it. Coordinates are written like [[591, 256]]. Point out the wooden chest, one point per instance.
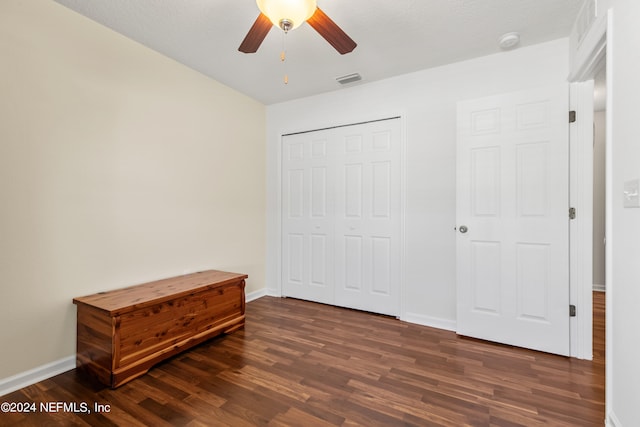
[[123, 333]]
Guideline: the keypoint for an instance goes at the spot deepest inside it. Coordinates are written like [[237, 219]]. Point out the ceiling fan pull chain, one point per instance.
[[283, 57]]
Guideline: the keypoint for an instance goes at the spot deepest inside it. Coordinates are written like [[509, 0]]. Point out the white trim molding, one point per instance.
[[588, 42], [432, 322], [252, 296], [581, 228], [612, 420], [40, 373]]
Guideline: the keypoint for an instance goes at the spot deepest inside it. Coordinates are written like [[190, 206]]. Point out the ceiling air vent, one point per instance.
[[349, 78]]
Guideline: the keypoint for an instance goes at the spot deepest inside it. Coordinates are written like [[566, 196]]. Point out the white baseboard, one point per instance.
[[432, 322], [251, 296], [420, 319], [612, 420], [24, 379], [598, 287], [40, 373]]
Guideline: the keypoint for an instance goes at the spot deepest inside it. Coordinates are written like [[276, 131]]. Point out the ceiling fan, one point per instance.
[[289, 14]]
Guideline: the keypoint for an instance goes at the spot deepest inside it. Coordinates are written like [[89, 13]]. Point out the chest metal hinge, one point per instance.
[[572, 116], [572, 213], [572, 310]]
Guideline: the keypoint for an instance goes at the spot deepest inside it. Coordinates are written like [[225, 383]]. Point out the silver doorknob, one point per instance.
[[463, 229]]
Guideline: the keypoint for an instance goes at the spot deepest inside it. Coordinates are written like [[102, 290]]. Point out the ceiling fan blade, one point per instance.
[[256, 34], [331, 32]]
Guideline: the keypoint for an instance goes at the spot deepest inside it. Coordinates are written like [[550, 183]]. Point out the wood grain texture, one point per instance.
[[125, 300], [256, 34], [298, 363], [122, 333], [331, 32]]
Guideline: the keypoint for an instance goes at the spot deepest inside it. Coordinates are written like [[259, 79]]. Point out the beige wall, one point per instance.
[[117, 166]]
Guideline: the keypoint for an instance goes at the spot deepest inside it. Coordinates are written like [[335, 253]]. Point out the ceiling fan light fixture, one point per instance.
[[287, 13]]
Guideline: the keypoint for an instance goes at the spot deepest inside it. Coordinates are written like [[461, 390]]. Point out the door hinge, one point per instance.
[[572, 213], [572, 116], [572, 310]]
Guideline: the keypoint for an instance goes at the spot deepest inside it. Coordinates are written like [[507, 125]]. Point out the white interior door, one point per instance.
[[307, 216], [341, 216], [368, 217], [512, 219]]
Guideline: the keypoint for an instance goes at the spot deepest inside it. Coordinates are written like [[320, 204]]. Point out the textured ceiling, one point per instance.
[[394, 37]]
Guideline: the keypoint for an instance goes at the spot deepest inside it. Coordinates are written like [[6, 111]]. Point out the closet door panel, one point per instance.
[[341, 216], [307, 217]]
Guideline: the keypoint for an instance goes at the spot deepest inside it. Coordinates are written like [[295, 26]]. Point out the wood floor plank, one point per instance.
[[298, 363], [300, 418]]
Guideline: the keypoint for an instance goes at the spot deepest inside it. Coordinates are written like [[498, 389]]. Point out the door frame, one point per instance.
[[589, 57], [320, 125], [581, 229]]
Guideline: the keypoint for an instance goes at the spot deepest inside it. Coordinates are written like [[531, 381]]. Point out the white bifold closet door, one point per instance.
[[341, 216]]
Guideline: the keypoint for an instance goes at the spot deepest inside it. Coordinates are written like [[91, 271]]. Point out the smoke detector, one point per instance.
[[509, 41]]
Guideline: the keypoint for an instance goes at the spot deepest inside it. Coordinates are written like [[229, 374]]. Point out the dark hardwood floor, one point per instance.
[[303, 364]]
